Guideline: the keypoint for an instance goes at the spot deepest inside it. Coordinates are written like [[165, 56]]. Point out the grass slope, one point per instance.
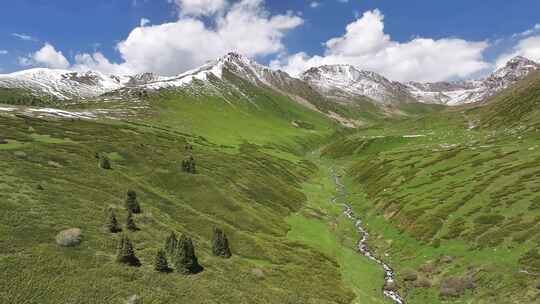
[[449, 201]]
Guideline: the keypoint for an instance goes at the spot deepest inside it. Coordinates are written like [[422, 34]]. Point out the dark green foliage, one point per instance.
[[131, 202], [188, 165], [170, 244], [112, 225], [126, 253], [185, 261], [161, 264], [104, 162], [130, 223], [220, 244]]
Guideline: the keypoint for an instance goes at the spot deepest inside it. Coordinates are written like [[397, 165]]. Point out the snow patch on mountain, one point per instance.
[[345, 81], [464, 92]]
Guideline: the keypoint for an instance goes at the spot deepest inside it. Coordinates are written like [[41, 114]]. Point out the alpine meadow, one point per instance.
[[219, 153]]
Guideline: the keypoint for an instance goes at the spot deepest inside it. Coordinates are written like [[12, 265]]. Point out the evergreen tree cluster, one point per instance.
[[181, 251], [132, 206], [188, 165]]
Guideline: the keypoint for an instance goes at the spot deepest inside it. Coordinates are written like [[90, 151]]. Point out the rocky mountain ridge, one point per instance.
[[338, 82]]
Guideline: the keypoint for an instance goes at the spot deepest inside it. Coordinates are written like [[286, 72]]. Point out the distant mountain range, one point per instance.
[[342, 83]]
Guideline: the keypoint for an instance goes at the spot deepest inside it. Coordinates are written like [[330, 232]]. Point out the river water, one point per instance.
[[361, 246]]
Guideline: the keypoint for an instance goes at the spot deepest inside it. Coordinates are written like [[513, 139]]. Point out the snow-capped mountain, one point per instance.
[[234, 63], [63, 84], [341, 82], [464, 92], [345, 81]]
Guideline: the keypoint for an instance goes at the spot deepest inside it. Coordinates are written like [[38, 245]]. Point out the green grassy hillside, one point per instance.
[[252, 180], [453, 205]]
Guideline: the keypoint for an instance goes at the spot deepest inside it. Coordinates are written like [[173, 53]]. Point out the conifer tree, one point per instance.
[[104, 163], [189, 166], [186, 262], [130, 223], [126, 253], [161, 264], [131, 202], [112, 225], [220, 244], [170, 244]]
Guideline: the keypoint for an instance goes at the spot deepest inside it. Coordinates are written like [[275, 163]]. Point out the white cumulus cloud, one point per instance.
[[47, 56], [528, 48], [366, 46], [171, 48], [200, 7]]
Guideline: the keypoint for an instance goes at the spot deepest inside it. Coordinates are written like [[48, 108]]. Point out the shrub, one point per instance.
[[455, 286], [69, 237]]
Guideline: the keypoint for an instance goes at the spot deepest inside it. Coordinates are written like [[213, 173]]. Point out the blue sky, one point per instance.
[[290, 35]]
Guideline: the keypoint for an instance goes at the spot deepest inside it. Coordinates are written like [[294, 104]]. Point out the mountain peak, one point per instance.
[[344, 81]]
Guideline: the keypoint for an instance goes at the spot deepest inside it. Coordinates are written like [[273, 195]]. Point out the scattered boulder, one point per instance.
[[40, 187], [69, 237], [3, 141], [258, 273], [392, 286], [409, 275], [134, 299]]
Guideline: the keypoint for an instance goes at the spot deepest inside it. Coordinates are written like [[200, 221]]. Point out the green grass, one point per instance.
[[322, 225], [453, 191]]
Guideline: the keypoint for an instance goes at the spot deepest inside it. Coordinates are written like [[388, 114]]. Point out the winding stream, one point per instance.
[[361, 246]]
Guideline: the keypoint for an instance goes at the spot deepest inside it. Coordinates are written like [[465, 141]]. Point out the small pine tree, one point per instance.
[[104, 163], [130, 223], [189, 166], [170, 244], [131, 202], [161, 264], [220, 244], [126, 253], [112, 225], [186, 261]]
